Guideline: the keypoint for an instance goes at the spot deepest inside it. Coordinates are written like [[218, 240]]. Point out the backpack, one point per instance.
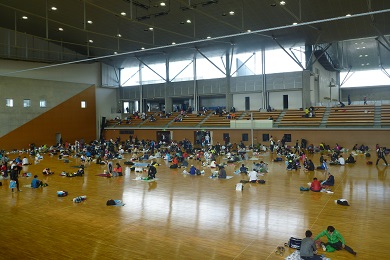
[[261, 181], [295, 242], [111, 203]]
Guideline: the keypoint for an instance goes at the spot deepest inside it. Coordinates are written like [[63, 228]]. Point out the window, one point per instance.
[[130, 76], [277, 61], [83, 104], [9, 102], [26, 103], [245, 137], [181, 70], [42, 103], [364, 78]]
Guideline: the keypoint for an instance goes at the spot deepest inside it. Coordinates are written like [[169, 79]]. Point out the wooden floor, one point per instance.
[[191, 217]]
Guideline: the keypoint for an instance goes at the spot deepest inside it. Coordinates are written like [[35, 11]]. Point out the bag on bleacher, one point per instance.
[[295, 242]]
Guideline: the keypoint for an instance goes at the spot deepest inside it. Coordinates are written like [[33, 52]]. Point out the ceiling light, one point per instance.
[[119, 35], [90, 41], [357, 48], [90, 22], [248, 30], [208, 37], [355, 42], [362, 64], [115, 52], [150, 28], [231, 12], [366, 55], [363, 47], [60, 29], [360, 56], [348, 15], [24, 17], [173, 43], [282, 3], [188, 21], [162, 4], [295, 23], [142, 48], [368, 64], [54, 8], [123, 14]]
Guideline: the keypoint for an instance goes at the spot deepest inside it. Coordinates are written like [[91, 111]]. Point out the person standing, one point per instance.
[[14, 177], [381, 155], [365, 100], [349, 100], [308, 249], [335, 240]]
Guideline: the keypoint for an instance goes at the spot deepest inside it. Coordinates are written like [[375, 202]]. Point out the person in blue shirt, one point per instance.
[[192, 170], [35, 183]]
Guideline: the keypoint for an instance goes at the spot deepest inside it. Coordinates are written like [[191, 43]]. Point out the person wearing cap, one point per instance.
[[192, 170]]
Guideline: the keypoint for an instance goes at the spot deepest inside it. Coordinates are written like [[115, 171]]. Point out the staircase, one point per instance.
[[280, 117], [325, 117], [325, 60]]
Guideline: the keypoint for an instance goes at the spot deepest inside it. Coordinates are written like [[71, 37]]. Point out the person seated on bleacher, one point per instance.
[[341, 104]]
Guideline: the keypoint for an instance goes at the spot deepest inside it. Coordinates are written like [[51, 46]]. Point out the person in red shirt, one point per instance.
[[315, 185]]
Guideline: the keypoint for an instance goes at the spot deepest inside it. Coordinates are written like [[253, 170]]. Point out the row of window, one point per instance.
[[9, 102]]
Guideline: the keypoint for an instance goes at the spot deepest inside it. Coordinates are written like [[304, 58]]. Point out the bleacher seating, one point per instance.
[[385, 115], [351, 116], [297, 118], [188, 120]]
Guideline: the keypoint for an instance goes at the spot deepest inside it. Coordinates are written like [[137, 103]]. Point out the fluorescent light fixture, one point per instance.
[[248, 30], [142, 48], [123, 13], [282, 3], [188, 21], [295, 23], [119, 35], [231, 12], [24, 17], [60, 29], [162, 4], [173, 43], [90, 22], [90, 41], [208, 37], [348, 15], [150, 28], [54, 8]]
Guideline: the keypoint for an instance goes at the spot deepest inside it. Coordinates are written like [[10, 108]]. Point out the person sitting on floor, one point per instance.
[[47, 171], [341, 160], [350, 159], [175, 163], [329, 181], [25, 161], [315, 185], [35, 183], [323, 166], [152, 172], [243, 169], [222, 172], [193, 170], [310, 165], [252, 176]]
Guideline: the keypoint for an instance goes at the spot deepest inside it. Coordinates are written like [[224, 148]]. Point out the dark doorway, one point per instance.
[[285, 101], [247, 103], [226, 138], [164, 136]]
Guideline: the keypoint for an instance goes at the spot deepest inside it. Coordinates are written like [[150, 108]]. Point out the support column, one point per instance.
[[168, 99], [229, 96], [308, 57], [141, 101], [306, 89], [196, 97], [264, 93]]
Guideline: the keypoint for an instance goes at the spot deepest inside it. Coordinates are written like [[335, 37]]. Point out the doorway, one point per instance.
[[247, 103], [285, 101]]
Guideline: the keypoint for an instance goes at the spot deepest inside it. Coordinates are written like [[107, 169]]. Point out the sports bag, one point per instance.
[[295, 242]]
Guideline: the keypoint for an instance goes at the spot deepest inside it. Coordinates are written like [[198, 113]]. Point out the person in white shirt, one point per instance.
[[341, 160], [25, 161], [252, 176]]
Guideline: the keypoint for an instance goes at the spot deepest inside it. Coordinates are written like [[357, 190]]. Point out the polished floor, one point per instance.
[[191, 217]]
